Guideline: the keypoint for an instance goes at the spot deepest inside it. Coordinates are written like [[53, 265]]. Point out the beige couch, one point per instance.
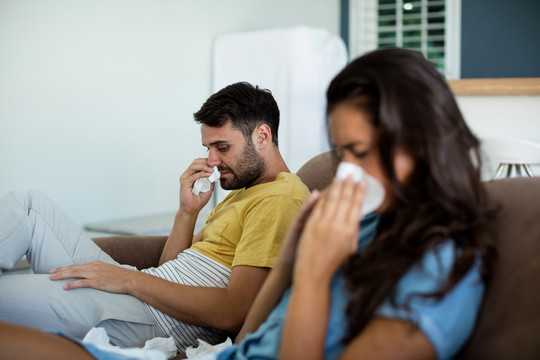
[[509, 322]]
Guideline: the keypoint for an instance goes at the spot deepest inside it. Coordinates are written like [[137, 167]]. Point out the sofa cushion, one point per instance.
[[318, 172], [142, 252], [508, 326]]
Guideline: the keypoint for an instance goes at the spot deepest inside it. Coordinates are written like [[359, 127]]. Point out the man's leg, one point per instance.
[[35, 301], [31, 224]]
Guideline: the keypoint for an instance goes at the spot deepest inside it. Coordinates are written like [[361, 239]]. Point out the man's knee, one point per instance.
[[25, 198], [33, 197]]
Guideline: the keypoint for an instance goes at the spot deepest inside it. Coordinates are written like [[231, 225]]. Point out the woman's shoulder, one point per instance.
[[447, 321]]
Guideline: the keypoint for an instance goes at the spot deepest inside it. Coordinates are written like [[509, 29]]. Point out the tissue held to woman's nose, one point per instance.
[[374, 190]]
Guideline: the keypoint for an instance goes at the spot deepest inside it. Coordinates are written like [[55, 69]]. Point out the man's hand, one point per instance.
[[96, 275], [190, 202], [181, 236]]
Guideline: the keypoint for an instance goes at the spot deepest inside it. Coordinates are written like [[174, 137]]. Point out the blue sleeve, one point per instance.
[[448, 322]]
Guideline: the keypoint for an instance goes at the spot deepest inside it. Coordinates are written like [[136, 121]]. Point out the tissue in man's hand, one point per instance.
[[374, 190], [203, 184]]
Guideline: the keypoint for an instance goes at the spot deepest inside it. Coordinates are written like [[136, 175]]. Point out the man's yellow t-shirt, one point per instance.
[[249, 225]]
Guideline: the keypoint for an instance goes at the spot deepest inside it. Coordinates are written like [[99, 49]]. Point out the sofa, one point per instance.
[[508, 326]]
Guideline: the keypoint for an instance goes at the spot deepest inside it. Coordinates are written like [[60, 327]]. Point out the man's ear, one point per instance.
[[262, 136]]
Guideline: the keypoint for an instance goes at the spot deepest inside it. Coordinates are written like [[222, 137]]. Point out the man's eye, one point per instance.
[[223, 148]]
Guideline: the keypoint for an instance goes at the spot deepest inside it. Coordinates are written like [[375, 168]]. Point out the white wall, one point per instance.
[[97, 97], [515, 117], [503, 116]]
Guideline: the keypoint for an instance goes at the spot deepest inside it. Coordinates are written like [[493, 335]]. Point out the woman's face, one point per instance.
[[356, 139]]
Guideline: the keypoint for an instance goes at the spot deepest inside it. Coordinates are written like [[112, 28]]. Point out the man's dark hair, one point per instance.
[[245, 105]]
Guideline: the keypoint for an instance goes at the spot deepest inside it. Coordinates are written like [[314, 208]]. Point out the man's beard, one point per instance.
[[247, 169]]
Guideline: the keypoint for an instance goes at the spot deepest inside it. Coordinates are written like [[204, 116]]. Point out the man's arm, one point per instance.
[[181, 236], [220, 308], [204, 306]]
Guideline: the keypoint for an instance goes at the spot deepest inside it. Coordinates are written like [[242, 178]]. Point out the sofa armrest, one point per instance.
[[140, 251]]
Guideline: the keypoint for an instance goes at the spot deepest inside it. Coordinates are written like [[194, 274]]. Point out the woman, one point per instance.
[[406, 281]]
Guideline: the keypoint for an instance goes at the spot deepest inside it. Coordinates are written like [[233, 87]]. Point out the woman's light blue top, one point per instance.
[[447, 323]]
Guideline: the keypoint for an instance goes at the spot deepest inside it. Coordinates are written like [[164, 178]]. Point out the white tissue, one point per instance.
[[155, 349], [205, 348], [374, 190], [165, 345], [96, 336], [203, 184]]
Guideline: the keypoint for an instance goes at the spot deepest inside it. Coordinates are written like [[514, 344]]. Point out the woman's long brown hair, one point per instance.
[[412, 107]]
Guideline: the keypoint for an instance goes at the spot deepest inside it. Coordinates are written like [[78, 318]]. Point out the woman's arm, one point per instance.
[[23, 343], [329, 238], [306, 322], [279, 278], [268, 297], [390, 339]]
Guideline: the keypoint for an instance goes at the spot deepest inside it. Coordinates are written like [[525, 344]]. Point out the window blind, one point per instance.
[[420, 25]]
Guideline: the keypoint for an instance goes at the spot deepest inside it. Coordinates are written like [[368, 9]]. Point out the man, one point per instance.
[[205, 283]]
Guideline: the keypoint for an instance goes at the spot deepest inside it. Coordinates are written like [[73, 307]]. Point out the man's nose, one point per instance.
[[213, 158]]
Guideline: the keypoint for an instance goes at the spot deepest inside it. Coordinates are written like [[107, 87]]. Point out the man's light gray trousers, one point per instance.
[[32, 225]]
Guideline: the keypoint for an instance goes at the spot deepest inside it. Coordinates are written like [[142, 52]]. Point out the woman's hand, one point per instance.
[[330, 235], [96, 275]]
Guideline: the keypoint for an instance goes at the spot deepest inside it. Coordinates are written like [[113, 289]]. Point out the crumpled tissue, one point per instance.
[[205, 348], [374, 190], [154, 349], [203, 184]]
